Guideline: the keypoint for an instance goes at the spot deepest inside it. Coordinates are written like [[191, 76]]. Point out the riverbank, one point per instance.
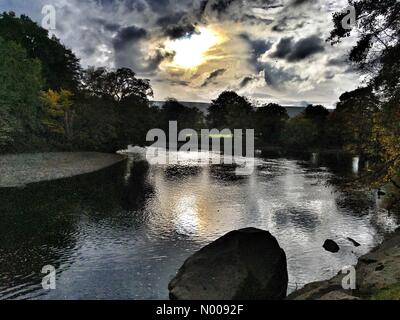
[[377, 277], [19, 170]]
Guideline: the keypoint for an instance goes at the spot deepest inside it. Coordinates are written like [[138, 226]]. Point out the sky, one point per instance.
[[266, 50]]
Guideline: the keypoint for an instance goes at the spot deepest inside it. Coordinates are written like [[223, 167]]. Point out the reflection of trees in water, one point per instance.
[[138, 188], [225, 172], [40, 223], [176, 172], [359, 202], [297, 217]]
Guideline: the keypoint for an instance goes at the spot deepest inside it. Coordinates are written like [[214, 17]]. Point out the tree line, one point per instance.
[[49, 102]]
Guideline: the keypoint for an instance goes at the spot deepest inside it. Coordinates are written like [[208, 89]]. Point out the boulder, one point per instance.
[[378, 275], [331, 246], [244, 264]]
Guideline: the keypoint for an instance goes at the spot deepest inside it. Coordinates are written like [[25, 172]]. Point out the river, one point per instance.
[[123, 233]]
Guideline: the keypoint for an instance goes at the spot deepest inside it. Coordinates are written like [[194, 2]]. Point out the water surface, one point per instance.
[[124, 232]]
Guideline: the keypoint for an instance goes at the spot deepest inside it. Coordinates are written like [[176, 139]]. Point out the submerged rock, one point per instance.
[[377, 275], [356, 244], [331, 246], [245, 264]]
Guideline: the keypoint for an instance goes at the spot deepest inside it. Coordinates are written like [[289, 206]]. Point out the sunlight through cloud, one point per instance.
[[191, 51]]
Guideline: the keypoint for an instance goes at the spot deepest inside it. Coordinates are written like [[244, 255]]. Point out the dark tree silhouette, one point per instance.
[[270, 122], [187, 118], [376, 55], [60, 67], [138, 188], [230, 111], [378, 29], [316, 113], [117, 84], [355, 112]]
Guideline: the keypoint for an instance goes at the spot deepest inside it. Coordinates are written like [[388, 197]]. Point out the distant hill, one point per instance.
[[294, 111], [203, 107]]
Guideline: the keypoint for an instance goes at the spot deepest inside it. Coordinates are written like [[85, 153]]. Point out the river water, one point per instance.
[[124, 232]]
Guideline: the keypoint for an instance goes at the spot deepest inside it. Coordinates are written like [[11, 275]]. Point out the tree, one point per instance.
[[270, 121], [382, 148], [355, 112], [8, 128], [118, 84], [300, 133], [230, 111], [377, 50], [58, 113], [20, 84], [316, 113], [60, 67], [96, 125], [136, 118], [187, 118], [376, 56], [377, 26]]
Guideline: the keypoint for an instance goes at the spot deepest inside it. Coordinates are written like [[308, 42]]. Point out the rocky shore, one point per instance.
[[249, 264], [377, 277]]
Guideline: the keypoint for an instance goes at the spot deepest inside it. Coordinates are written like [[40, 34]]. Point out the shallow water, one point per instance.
[[124, 232]]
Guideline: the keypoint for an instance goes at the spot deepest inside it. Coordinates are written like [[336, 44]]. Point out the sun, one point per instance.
[[191, 51]]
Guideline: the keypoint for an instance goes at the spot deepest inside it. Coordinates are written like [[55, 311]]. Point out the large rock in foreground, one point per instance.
[[245, 264]]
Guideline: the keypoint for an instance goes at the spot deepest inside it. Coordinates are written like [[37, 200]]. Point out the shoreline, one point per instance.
[[377, 277], [21, 170]]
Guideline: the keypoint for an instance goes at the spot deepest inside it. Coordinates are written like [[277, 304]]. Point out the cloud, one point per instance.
[[283, 48], [212, 76], [292, 51], [177, 25], [270, 43], [129, 52], [245, 81], [179, 31], [257, 48], [279, 77], [127, 35], [302, 2]]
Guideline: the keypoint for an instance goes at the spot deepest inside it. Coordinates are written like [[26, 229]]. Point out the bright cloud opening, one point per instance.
[[192, 51]]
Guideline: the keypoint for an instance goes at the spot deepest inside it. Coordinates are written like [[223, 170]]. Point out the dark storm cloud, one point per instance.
[[179, 31], [173, 82], [283, 48], [301, 2], [255, 20], [212, 76], [338, 61], [236, 10], [219, 6], [127, 36], [170, 19], [105, 25], [286, 24], [294, 51], [245, 81], [277, 77], [306, 47], [257, 48], [127, 46]]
